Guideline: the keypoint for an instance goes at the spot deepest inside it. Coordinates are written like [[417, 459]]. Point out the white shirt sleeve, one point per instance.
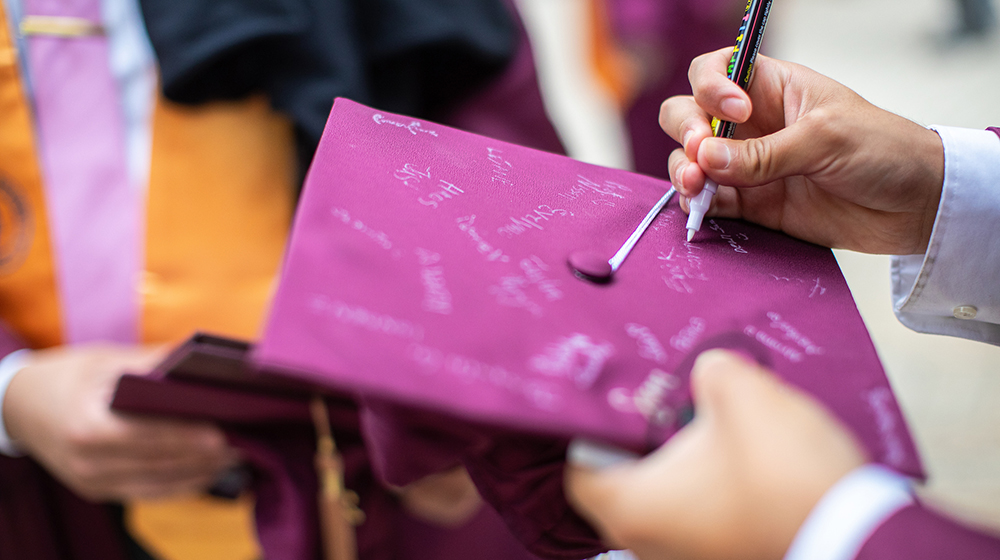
[[616, 555], [10, 365], [849, 513], [954, 289]]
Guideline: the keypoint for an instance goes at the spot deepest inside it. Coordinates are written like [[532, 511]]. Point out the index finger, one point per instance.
[[597, 496], [151, 436], [684, 121], [714, 91]]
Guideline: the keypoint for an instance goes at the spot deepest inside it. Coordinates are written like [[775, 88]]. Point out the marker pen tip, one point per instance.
[[691, 233]]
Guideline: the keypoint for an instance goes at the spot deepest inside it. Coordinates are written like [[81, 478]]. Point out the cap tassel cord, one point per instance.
[[338, 506], [59, 26]]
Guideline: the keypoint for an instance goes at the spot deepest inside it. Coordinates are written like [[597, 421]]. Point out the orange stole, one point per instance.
[[616, 68], [219, 208], [221, 196], [29, 303]]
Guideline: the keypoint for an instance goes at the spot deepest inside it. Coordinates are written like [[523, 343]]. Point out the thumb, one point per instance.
[[719, 379], [757, 161], [596, 494]]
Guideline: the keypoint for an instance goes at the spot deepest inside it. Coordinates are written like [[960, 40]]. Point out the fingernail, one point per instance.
[[709, 357], [586, 453], [717, 154], [725, 355], [679, 176], [735, 108], [684, 139]]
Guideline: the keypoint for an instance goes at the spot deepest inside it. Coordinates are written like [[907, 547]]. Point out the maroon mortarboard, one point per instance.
[[428, 273]]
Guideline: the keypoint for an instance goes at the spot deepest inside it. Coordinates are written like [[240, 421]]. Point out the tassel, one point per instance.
[[338, 506]]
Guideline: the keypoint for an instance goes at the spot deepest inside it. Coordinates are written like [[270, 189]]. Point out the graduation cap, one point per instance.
[[429, 267], [429, 276]]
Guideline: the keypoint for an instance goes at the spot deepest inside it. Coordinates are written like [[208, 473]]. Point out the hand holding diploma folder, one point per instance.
[[427, 278]]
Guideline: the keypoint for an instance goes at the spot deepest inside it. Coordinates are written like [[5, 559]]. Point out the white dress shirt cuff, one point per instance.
[[849, 513], [10, 365], [615, 555], [951, 289]]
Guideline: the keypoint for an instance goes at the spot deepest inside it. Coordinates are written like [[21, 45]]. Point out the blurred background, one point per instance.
[[928, 60]]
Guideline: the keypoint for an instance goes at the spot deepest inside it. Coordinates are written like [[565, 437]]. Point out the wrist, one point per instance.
[[930, 177]]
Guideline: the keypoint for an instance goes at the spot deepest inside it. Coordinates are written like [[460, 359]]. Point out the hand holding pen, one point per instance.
[[811, 158], [740, 71]]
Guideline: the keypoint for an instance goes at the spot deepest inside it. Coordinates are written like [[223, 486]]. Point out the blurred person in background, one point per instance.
[[642, 49], [765, 471], [130, 218]]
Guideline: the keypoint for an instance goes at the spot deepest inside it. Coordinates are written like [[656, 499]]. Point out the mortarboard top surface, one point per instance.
[[428, 267]]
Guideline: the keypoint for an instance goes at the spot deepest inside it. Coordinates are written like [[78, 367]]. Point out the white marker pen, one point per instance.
[[699, 207], [741, 67]]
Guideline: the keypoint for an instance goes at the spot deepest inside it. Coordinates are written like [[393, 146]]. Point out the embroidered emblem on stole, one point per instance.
[[16, 227]]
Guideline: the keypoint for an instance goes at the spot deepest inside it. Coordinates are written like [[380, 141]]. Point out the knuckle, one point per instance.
[[828, 129], [664, 113], [80, 438], [696, 73], [94, 429], [84, 470], [689, 122], [675, 160], [701, 61], [671, 109], [758, 157], [696, 63]]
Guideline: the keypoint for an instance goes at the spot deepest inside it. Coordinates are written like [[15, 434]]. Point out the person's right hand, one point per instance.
[[824, 164], [735, 484], [57, 410]]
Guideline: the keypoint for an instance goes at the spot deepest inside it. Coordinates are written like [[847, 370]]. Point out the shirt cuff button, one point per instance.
[[965, 312]]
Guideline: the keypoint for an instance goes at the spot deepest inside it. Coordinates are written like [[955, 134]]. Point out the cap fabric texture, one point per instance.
[[427, 275]]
